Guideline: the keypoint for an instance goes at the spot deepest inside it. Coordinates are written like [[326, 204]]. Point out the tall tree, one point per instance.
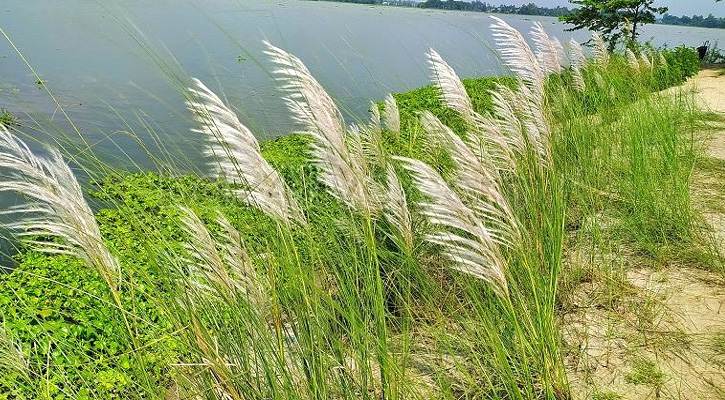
[[614, 19]]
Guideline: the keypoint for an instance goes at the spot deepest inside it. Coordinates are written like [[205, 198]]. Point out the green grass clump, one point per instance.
[[7, 119], [646, 372]]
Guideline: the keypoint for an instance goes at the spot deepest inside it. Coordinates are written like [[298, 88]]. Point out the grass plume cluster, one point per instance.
[[415, 255]]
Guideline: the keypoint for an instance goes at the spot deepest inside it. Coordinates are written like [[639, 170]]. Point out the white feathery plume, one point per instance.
[[241, 265], [11, 356], [475, 181], [372, 146], [371, 138], [453, 93], [548, 50], [391, 115], [313, 108], [375, 119], [58, 209], [632, 59], [645, 60], [397, 213], [576, 54], [601, 52], [360, 148], [207, 266], [578, 79], [599, 80], [490, 145], [578, 61], [559, 48], [661, 59], [518, 56], [530, 99], [463, 237], [536, 123], [236, 156], [505, 108], [522, 120], [310, 104]]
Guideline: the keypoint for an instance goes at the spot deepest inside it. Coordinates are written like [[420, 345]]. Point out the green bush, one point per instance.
[[683, 63]]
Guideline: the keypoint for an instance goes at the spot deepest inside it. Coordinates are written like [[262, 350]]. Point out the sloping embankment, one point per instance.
[[656, 330]]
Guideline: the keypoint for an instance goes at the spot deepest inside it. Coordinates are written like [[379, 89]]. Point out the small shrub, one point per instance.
[[683, 62], [645, 372], [7, 119]]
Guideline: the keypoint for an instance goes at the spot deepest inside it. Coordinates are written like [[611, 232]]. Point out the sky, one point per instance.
[[677, 7]]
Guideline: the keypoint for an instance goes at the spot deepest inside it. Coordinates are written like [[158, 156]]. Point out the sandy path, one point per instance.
[[709, 86]]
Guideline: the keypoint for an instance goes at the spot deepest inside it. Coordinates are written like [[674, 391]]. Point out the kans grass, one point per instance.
[[419, 254]]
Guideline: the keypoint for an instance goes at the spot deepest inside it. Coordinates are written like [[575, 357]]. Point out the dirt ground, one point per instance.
[[646, 331]]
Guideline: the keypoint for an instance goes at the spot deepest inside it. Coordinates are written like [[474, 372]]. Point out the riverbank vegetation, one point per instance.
[[423, 253], [709, 21]]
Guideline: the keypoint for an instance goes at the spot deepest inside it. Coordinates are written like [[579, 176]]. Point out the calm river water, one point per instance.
[[116, 67]]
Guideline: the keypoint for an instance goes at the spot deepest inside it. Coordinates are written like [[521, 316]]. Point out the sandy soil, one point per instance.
[[709, 86], [656, 332]]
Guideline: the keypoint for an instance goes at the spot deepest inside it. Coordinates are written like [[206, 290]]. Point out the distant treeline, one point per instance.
[[710, 21], [530, 9], [526, 9]]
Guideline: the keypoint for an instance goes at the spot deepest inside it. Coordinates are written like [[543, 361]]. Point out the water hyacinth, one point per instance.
[[341, 170], [236, 156], [58, 209], [477, 253]]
